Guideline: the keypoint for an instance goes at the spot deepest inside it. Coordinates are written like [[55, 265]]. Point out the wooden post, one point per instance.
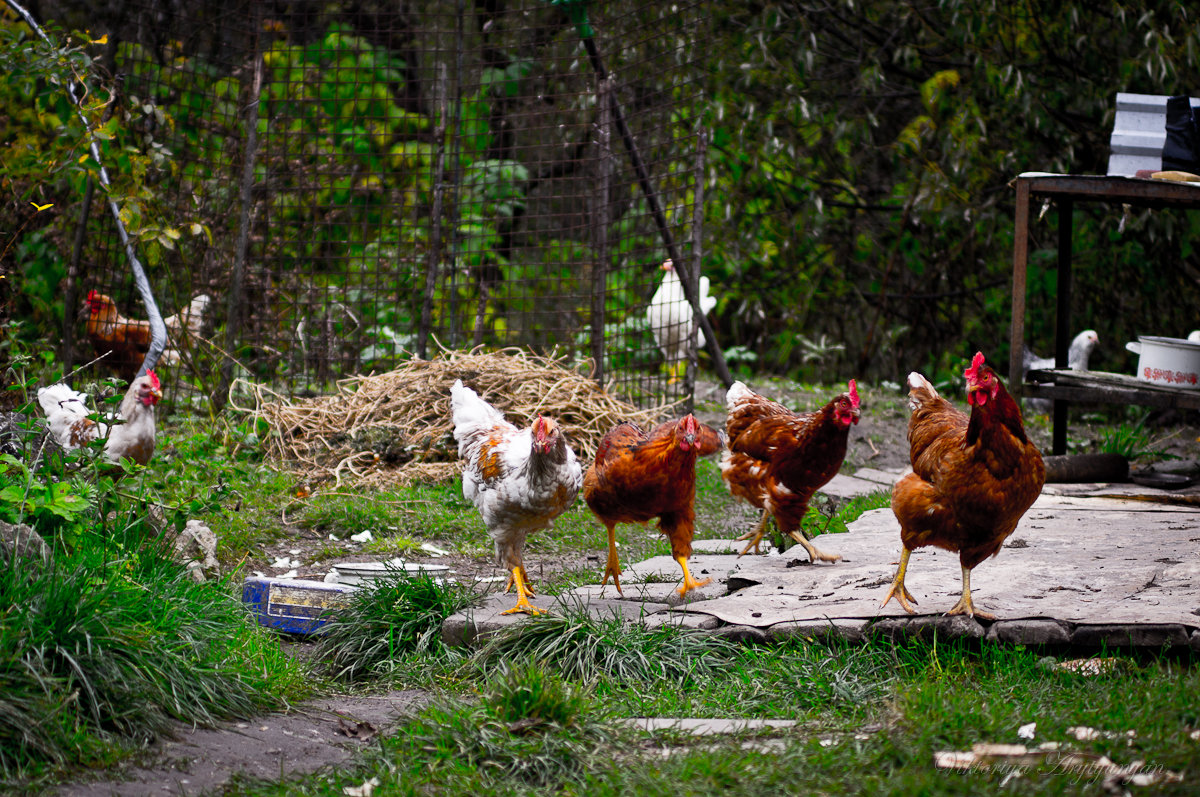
[[689, 384], [600, 222], [1062, 343], [1016, 332], [433, 261]]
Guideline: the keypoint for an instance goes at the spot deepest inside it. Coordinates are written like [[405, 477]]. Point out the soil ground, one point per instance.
[[333, 728]]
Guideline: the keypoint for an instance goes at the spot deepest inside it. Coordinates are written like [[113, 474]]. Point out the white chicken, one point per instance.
[[1078, 354], [672, 321], [520, 480], [67, 416]]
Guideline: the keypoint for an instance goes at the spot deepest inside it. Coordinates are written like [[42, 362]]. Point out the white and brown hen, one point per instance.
[[520, 480], [67, 415]]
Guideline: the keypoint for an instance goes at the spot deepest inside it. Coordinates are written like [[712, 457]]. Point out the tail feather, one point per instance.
[[470, 413], [190, 319], [59, 398], [737, 392], [920, 391]]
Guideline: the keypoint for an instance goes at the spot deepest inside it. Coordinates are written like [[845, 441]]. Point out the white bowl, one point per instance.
[[1168, 362]]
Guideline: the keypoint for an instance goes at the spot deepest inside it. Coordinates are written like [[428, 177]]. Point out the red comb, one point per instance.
[[976, 362], [154, 383], [92, 295], [853, 393]]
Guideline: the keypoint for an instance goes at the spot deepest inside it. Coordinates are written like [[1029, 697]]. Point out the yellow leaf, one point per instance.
[[40, 208], [102, 40]]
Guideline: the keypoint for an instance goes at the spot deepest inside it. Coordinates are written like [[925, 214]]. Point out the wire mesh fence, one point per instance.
[[355, 186]]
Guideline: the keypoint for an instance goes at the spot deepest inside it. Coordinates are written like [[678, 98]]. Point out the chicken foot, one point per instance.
[[815, 554], [676, 371], [520, 579], [613, 567], [965, 605], [755, 535], [898, 590], [525, 578], [689, 583]]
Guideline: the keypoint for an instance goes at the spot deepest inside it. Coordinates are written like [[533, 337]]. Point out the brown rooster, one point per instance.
[[126, 340], [778, 458], [67, 415], [972, 477], [638, 477]]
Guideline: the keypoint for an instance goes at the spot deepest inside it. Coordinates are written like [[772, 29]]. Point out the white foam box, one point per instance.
[[296, 606]]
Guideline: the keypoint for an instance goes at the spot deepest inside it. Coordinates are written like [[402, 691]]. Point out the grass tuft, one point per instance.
[[586, 649], [392, 618], [94, 653], [531, 728]]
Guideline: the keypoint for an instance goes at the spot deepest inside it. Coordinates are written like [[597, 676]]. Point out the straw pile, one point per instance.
[[395, 428]]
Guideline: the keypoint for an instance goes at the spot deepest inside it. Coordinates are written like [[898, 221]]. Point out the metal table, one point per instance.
[[1065, 190]]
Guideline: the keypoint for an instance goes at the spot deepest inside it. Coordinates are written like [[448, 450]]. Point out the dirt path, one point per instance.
[[325, 732]]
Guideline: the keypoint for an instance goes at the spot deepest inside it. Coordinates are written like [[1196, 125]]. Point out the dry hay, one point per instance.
[[395, 428]]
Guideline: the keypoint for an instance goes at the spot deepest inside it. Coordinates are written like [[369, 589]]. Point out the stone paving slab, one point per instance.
[[1079, 570], [708, 727]]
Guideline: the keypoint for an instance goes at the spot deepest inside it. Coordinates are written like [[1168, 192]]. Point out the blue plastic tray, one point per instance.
[[294, 605]]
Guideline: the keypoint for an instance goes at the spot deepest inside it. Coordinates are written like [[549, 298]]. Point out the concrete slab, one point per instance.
[[1084, 568], [863, 482], [707, 727]]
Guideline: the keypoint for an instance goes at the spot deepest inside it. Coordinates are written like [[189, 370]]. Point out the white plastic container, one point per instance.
[[1167, 362], [362, 572]]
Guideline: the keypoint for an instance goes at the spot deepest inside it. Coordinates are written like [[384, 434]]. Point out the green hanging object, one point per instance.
[[577, 11]]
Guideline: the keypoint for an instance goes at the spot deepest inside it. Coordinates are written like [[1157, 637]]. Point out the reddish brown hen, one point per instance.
[[778, 458], [973, 477], [638, 477]]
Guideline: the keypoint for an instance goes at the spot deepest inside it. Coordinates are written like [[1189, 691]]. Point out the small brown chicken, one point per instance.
[[973, 477], [638, 477], [125, 341], [777, 459]]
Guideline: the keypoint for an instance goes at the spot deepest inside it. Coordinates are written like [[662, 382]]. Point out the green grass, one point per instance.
[[871, 717]]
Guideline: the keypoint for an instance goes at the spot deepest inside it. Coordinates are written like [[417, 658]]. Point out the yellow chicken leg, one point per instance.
[[520, 579], [755, 535], [689, 583], [814, 553], [898, 590], [524, 578], [965, 604], [614, 565]]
